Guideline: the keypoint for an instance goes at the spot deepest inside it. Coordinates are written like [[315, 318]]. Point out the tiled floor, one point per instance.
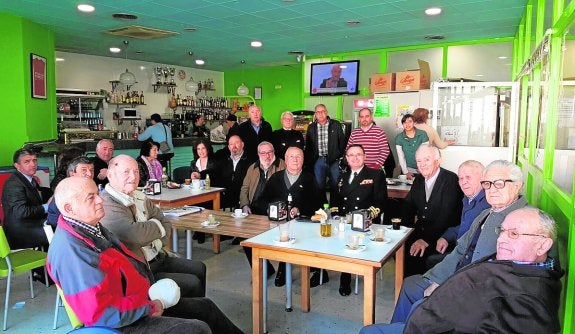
[[229, 285]]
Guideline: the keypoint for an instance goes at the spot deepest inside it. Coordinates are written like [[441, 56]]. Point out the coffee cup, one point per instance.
[[238, 212], [402, 178], [187, 181], [196, 184], [284, 232], [353, 241], [378, 232]]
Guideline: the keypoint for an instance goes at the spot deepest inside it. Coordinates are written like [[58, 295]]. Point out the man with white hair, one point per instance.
[[106, 284], [501, 181], [286, 136], [142, 227], [516, 291], [254, 131], [104, 152]]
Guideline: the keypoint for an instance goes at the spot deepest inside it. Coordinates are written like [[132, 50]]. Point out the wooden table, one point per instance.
[[311, 250], [247, 227], [173, 198]]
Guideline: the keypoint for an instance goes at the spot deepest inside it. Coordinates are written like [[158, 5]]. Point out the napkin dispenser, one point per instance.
[[277, 211], [153, 187], [360, 220]]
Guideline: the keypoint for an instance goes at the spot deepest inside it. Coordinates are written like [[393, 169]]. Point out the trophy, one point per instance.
[[158, 72], [172, 72], [166, 72]]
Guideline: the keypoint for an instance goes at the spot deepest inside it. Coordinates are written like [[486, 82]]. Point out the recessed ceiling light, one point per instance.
[[433, 11], [59, 59], [200, 62], [256, 44], [115, 49], [502, 57], [85, 8]]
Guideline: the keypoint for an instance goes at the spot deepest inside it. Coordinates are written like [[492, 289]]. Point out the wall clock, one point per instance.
[[182, 74]]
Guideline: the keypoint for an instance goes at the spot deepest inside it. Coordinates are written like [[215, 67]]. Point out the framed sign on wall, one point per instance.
[[257, 93], [38, 77]]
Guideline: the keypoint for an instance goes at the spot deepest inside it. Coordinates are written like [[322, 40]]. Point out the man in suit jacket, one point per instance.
[[25, 203], [254, 132], [231, 171], [305, 200], [360, 187], [286, 136], [435, 198]]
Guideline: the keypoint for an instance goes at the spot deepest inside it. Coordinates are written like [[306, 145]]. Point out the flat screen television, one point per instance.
[[334, 78]]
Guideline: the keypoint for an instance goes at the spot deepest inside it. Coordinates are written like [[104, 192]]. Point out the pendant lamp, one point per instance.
[[127, 78]]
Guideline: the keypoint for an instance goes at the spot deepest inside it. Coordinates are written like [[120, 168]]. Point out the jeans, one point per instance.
[[321, 169], [396, 328], [410, 296], [190, 275], [187, 308]]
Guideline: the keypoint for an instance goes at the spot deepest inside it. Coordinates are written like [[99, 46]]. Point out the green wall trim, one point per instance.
[[567, 17]]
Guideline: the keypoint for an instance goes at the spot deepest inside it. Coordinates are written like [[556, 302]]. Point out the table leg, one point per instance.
[[175, 240], [257, 292], [216, 244], [189, 244], [265, 295], [305, 296], [399, 257], [216, 201], [369, 298]]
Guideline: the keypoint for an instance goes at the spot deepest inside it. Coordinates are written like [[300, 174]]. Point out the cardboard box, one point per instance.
[[382, 82], [414, 79]]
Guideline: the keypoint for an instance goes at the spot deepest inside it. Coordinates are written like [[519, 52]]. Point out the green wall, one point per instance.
[[281, 89], [25, 119]]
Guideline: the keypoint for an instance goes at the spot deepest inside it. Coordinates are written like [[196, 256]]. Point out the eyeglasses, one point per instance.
[[266, 153], [498, 184], [513, 234]]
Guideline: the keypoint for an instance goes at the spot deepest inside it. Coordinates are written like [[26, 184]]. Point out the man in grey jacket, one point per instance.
[[502, 181], [142, 227]]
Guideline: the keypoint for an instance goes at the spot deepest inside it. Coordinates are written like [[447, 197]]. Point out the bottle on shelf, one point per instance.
[[142, 97], [207, 185]]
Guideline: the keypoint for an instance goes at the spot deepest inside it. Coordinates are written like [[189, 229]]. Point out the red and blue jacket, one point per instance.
[[102, 281]]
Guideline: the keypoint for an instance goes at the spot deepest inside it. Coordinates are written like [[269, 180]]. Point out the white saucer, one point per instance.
[[359, 249], [243, 215], [402, 229], [290, 241], [207, 224], [385, 240], [409, 182]]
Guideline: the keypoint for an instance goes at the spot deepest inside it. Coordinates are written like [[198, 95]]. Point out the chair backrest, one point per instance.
[[4, 246], [74, 321], [181, 173], [3, 178]]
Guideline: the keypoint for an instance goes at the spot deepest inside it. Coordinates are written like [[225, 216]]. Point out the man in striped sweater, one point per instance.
[[372, 138]]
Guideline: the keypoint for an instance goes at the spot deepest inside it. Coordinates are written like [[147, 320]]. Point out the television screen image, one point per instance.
[[334, 78]]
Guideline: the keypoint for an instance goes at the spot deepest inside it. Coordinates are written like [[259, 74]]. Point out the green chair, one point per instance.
[[60, 300], [16, 263]]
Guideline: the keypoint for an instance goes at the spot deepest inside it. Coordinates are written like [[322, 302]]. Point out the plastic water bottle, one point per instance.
[[207, 181], [164, 178]]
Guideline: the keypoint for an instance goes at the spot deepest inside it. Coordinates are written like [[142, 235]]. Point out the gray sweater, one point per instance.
[[486, 244]]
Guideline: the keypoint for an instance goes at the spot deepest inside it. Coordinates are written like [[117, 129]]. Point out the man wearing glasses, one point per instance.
[[501, 181], [516, 291]]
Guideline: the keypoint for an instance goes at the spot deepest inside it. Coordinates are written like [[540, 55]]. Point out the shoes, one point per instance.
[[280, 278], [314, 279], [271, 270], [39, 277], [344, 289], [200, 236], [225, 237], [236, 241]]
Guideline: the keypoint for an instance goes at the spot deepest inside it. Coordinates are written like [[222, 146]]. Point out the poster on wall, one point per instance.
[[38, 70], [381, 108]]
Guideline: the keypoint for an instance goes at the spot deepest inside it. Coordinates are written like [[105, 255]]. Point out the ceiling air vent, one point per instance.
[[434, 37], [140, 32]]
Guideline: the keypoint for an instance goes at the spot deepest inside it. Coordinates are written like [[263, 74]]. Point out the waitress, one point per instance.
[[406, 143], [148, 164]]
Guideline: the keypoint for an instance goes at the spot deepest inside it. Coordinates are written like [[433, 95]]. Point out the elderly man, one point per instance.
[[230, 173], [255, 131], [474, 202], [372, 138], [360, 187], [517, 291], [106, 284], [142, 227], [80, 166], [305, 197], [325, 145], [104, 152], [335, 80], [286, 136], [254, 182], [435, 198], [25, 203], [501, 181]]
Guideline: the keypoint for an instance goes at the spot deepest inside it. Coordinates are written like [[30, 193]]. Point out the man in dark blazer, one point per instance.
[[325, 144], [25, 203], [360, 187], [254, 132], [286, 136], [435, 198], [230, 173], [305, 199]]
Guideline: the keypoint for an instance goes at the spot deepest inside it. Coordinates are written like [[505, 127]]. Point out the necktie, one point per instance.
[[34, 183], [353, 177]]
